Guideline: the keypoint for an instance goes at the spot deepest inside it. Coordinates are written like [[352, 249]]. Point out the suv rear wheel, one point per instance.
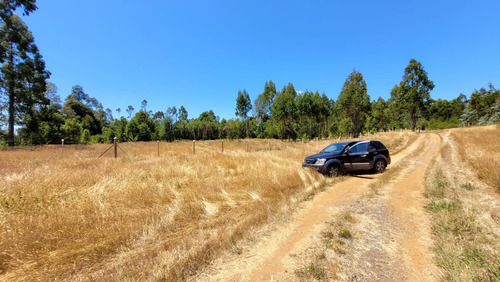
[[379, 166]]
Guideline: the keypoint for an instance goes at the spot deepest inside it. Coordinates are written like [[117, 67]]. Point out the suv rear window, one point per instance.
[[378, 145]]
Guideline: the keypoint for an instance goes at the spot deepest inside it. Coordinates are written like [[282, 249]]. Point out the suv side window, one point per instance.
[[359, 148], [353, 149]]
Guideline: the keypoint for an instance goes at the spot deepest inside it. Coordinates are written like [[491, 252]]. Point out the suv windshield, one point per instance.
[[335, 148]]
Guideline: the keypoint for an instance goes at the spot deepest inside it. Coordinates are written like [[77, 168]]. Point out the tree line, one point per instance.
[[31, 103]]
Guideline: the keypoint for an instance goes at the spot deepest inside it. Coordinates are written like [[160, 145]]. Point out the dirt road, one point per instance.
[[391, 233]]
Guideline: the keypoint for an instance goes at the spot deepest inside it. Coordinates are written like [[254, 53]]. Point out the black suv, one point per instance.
[[350, 156]]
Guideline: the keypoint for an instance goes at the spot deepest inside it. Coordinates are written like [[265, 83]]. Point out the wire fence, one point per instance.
[[163, 148], [160, 148]]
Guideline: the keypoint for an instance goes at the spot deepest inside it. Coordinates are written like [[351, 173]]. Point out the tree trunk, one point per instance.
[[246, 127], [12, 96], [10, 138], [413, 122]]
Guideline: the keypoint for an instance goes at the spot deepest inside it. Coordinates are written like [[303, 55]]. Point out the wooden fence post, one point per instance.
[[62, 146], [247, 145], [115, 143], [158, 148]]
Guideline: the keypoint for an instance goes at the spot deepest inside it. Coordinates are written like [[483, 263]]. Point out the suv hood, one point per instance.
[[321, 156]]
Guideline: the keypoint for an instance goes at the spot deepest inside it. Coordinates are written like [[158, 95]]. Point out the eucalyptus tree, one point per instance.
[[377, 119], [264, 102], [183, 114], [284, 110], [414, 91], [262, 108], [353, 102], [130, 110], [395, 112], [243, 106], [174, 113], [312, 112]]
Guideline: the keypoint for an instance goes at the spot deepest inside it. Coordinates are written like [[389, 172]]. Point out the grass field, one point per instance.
[[480, 147], [71, 215], [465, 212]]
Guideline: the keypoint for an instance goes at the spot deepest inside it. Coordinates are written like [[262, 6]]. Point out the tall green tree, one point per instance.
[[353, 102], [23, 75], [85, 109], [183, 114], [243, 106], [307, 107], [377, 119], [313, 111], [264, 102], [205, 126], [414, 91], [284, 110], [395, 112], [166, 129], [141, 128], [262, 108], [71, 131], [51, 119], [130, 111]]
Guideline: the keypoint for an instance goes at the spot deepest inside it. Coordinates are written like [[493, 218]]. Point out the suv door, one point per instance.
[[359, 156]]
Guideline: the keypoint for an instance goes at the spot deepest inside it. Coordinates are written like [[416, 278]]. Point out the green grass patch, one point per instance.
[[468, 186], [436, 185], [449, 206]]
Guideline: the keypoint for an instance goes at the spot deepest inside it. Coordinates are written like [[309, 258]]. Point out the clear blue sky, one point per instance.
[[200, 53]]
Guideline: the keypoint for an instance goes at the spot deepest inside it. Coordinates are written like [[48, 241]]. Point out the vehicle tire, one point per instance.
[[379, 166], [334, 170]]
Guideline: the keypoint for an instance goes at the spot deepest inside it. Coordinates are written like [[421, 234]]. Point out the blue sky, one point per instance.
[[200, 53]]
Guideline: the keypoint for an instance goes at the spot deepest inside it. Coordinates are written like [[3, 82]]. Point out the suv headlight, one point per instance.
[[320, 161]]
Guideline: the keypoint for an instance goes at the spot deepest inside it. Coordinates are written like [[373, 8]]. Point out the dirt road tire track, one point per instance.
[[407, 202], [270, 258]]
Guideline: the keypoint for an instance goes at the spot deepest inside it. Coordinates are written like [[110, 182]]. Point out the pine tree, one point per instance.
[[23, 75]]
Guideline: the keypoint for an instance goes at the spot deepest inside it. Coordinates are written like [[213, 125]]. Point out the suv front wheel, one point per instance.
[[334, 170]]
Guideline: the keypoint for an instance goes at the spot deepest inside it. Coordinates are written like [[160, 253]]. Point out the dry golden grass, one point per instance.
[[480, 147], [72, 216], [465, 247], [462, 209]]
